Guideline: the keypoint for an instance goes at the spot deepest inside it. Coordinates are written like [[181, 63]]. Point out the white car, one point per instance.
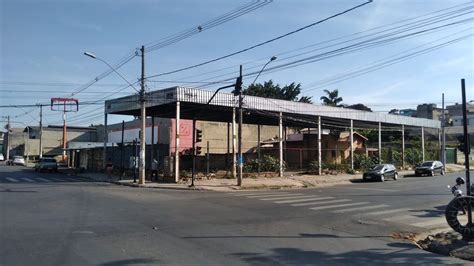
[[17, 160], [1, 157]]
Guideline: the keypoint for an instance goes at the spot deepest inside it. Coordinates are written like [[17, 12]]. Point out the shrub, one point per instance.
[[364, 162], [268, 164]]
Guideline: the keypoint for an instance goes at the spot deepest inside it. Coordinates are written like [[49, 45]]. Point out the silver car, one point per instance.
[[17, 160], [49, 164], [380, 172]]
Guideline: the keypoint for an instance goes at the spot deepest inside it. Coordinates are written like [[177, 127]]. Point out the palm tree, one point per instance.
[[332, 98]]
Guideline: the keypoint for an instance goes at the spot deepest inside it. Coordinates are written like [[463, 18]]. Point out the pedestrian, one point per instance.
[[154, 170], [109, 167]]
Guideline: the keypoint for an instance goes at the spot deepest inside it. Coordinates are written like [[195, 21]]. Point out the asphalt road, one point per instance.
[[55, 219]]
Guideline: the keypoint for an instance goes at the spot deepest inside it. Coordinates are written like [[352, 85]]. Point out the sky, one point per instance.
[[42, 45]]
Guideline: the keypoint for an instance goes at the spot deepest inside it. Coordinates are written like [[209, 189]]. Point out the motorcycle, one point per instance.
[[456, 189]]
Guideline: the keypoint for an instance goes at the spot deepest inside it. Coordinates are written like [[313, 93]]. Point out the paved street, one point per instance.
[[55, 219]]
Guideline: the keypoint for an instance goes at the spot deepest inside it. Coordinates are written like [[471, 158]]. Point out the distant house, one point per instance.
[[302, 148]]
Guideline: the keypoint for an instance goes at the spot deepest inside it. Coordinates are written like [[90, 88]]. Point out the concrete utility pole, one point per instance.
[[443, 134], [8, 137], [238, 86], [41, 132], [141, 171]]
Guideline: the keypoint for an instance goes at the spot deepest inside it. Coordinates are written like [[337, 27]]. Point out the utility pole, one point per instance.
[[41, 132], [141, 173], [443, 134], [8, 137], [467, 145], [238, 88]]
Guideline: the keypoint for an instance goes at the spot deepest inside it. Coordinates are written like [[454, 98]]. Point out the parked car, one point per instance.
[[16, 160], [46, 164], [1, 157], [429, 168], [380, 172]]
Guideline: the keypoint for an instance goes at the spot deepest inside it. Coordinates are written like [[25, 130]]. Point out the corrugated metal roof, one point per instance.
[[198, 96]]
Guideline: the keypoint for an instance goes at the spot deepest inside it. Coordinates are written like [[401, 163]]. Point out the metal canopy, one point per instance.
[[258, 110]]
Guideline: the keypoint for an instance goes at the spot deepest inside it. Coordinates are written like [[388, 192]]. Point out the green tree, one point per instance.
[[268, 89], [332, 98]]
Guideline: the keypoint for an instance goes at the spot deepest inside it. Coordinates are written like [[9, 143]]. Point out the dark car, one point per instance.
[[380, 172], [46, 164], [429, 168]]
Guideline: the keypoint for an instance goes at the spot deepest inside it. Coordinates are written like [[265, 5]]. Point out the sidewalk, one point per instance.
[[291, 180]]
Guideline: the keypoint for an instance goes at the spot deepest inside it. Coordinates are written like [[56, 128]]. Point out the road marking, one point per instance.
[[320, 202], [338, 206], [42, 179], [273, 195], [399, 218], [27, 179], [302, 200], [289, 197], [361, 208], [375, 189], [431, 222], [238, 194], [12, 179], [387, 211]]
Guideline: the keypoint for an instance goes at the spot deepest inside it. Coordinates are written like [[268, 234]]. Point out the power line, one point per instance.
[[262, 43]]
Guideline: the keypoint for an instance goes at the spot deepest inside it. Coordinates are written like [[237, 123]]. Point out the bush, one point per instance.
[[364, 162], [267, 164], [313, 166], [413, 156]]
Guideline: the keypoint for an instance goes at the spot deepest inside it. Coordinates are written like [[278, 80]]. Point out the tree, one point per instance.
[[359, 106], [289, 92], [332, 98]]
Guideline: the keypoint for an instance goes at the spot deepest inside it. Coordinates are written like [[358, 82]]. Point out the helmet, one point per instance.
[[460, 181]]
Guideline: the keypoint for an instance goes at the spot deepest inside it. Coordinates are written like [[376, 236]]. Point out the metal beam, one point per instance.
[[176, 154], [423, 144], [280, 143], [380, 142], [320, 160], [352, 144]]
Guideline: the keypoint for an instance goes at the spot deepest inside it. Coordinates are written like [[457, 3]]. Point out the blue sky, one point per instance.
[[42, 45]]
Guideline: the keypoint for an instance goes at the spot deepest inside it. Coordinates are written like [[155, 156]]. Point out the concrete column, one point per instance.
[[423, 144], [320, 159], [280, 144], [352, 144], [380, 142], [152, 146], [258, 149], [176, 155], [104, 152], [403, 147], [234, 144]]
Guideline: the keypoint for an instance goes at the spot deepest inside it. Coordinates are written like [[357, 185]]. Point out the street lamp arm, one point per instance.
[[219, 89], [264, 66], [116, 72]]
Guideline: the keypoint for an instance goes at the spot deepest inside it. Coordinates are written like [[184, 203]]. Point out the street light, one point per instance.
[[105, 62], [141, 171], [240, 160], [264, 66]]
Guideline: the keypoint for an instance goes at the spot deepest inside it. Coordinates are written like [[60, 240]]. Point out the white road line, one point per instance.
[[320, 202], [337, 206], [302, 200], [431, 222], [288, 197], [27, 179], [361, 208], [42, 179], [375, 189], [387, 211], [238, 194], [12, 179], [273, 195], [399, 218]]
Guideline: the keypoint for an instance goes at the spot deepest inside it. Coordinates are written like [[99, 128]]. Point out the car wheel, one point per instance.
[[382, 178], [442, 172], [432, 173], [395, 177]]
